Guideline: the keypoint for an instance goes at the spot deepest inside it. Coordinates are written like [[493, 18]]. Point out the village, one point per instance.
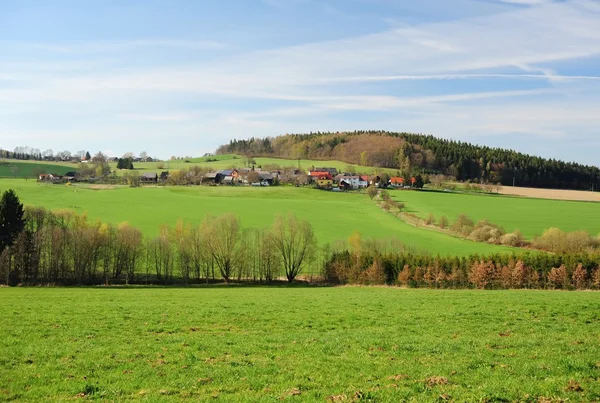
[[325, 178]]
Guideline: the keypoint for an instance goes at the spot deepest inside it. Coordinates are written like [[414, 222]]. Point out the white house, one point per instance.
[[355, 182]]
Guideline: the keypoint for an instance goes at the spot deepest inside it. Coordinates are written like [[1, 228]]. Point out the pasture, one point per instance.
[[530, 216], [298, 344], [226, 161], [31, 169], [334, 216]]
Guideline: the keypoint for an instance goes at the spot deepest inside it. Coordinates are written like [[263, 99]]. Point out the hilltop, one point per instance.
[[417, 153]]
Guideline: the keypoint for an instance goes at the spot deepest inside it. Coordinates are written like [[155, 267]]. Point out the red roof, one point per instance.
[[397, 179], [316, 173]]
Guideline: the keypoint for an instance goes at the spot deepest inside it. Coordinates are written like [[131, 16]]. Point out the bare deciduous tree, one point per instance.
[[224, 242], [295, 241]]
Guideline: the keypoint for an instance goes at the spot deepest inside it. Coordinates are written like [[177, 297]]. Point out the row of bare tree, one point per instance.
[[66, 248]]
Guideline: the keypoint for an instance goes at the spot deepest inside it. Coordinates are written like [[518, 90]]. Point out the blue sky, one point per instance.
[[182, 77]]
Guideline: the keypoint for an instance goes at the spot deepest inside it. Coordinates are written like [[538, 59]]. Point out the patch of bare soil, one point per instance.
[[576, 195]]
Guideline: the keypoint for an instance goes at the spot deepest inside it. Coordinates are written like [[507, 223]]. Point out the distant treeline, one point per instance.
[[417, 153]]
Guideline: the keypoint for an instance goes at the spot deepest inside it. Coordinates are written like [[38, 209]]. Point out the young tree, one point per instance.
[[87, 156], [372, 191], [11, 218], [223, 239], [296, 243], [253, 177]]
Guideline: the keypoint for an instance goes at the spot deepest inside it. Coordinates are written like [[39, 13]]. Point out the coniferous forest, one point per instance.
[[417, 153]]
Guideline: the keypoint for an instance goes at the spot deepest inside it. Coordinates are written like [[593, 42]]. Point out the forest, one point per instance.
[[425, 154]]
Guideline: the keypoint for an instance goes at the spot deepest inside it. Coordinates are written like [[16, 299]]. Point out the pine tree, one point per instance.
[[88, 156], [11, 218]]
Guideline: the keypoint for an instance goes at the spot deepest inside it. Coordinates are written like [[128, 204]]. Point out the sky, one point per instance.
[[181, 77]]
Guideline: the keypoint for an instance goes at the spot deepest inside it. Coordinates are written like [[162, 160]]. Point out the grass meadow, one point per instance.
[[27, 169], [298, 344], [334, 216], [530, 216]]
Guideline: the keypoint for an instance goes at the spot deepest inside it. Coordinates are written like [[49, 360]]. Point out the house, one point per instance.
[[212, 177], [149, 177], [112, 160], [50, 177], [228, 180], [397, 181], [331, 171], [320, 174], [353, 182], [267, 177], [234, 173], [71, 176], [325, 182]]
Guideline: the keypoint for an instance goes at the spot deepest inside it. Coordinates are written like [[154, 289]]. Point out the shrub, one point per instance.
[[482, 274], [557, 241], [443, 223], [160, 165], [596, 278], [430, 220], [512, 239], [404, 275], [372, 192], [519, 275], [486, 232], [463, 225], [385, 196], [557, 277], [374, 275], [579, 277]]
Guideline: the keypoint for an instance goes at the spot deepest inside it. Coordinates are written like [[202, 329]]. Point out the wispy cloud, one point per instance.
[[321, 85]]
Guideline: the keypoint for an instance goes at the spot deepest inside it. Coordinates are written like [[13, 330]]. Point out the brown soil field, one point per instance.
[[576, 195]]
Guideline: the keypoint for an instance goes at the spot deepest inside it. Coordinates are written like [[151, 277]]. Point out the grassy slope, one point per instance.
[[265, 344], [223, 162], [28, 169], [231, 160], [531, 216], [334, 216]]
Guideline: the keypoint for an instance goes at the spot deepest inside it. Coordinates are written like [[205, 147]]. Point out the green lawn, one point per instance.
[[298, 344], [530, 216], [334, 216]]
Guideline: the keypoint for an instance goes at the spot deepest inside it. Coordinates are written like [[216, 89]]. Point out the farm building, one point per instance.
[[212, 177], [149, 177], [267, 177]]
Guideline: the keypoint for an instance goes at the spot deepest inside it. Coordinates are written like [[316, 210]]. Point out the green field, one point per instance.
[[31, 169], [228, 161], [530, 216], [334, 216], [237, 161], [298, 344]]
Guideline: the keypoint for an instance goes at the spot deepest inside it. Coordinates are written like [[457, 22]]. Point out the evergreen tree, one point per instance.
[[11, 218], [87, 156]]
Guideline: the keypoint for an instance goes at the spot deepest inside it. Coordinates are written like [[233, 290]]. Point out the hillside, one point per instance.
[[412, 153], [31, 169]]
